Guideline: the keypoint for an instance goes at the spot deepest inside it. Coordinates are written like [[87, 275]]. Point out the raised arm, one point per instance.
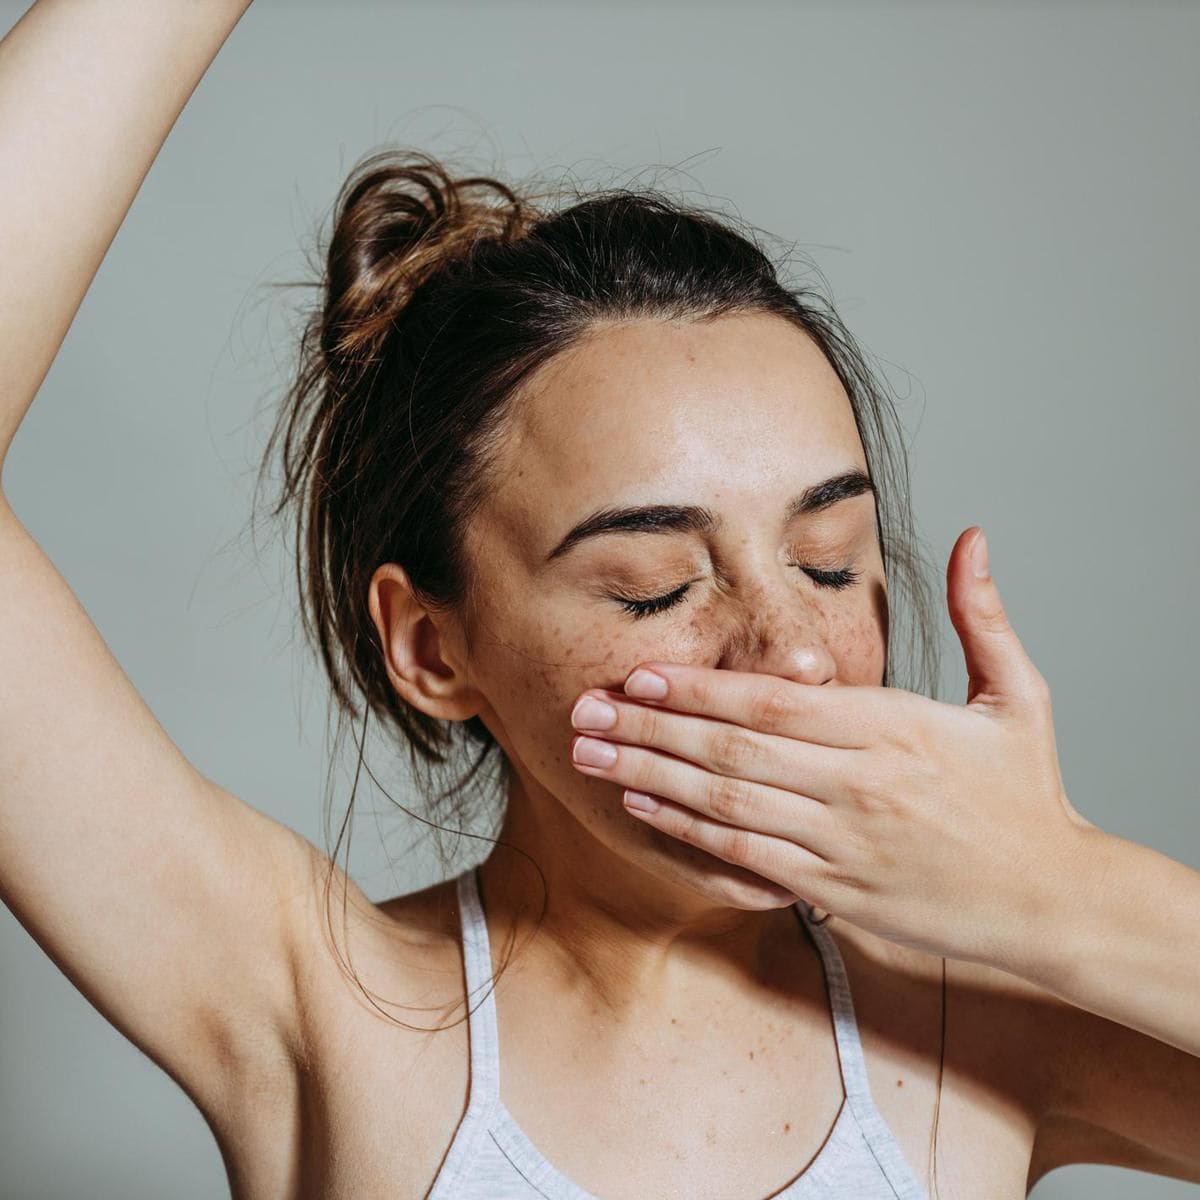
[[172, 905], [89, 90]]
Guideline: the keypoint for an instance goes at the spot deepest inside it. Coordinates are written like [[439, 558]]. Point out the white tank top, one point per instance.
[[490, 1157]]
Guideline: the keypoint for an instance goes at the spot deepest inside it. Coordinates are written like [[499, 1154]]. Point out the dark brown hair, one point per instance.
[[439, 296]]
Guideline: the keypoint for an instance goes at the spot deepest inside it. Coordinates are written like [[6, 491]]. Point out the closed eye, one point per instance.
[[834, 580]]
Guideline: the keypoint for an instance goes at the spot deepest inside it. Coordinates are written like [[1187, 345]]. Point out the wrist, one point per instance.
[[1063, 917]]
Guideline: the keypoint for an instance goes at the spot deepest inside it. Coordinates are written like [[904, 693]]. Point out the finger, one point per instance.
[[727, 749], [721, 798], [846, 717], [777, 859]]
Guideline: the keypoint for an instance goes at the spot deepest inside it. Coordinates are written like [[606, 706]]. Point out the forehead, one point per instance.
[[670, 412]]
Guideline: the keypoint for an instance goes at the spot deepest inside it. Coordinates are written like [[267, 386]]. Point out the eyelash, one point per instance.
[[834, 580]]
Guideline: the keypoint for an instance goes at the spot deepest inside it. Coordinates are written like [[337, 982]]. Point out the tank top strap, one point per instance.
[[845, 1026], [481, 1001], [483, 1091], [871, 1122]]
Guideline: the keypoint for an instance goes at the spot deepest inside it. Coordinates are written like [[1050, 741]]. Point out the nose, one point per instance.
[[779, 631]]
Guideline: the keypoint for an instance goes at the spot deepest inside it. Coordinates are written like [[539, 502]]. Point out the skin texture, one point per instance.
[[737, 414]]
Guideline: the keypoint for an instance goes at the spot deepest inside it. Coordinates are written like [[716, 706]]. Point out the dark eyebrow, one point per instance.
[[672, 518]]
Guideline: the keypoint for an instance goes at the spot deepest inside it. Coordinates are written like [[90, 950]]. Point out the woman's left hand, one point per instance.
[[938, 826]]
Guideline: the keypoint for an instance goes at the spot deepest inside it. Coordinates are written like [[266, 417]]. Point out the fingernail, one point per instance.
[[646, 685], [641, 802], [591, 752], [979, 557], [591, 713]]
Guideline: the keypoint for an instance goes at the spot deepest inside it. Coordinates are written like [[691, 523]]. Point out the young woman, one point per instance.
[[533, 451]]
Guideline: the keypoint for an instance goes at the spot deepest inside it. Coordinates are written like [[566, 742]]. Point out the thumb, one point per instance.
[[998, 669]]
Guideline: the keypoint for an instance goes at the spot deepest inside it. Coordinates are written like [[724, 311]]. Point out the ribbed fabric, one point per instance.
[[490, 1157]]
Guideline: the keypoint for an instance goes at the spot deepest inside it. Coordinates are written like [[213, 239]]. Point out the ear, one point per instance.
[[420, 652]]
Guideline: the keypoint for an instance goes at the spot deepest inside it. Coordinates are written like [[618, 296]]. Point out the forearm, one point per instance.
[[1121, 938], [89, 90]]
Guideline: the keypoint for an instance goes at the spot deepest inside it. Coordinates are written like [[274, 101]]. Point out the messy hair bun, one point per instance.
[[398, 221]]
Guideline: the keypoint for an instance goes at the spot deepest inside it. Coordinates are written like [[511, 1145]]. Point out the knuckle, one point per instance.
[[774, 709], [732, 751], [887, 809], [728, 798], [1037, 706], [738, 847], [996, 622], [992, 618], [650, 721], [861, 790], [877, 796], [838, 882], [918, 741]]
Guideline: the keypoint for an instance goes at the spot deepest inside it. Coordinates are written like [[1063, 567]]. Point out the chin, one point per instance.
[[736, 886]]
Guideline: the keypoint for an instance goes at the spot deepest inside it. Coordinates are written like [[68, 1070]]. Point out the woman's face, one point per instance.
[[737, 416]]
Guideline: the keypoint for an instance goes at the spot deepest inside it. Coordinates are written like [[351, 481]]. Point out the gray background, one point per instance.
[[1005, 200]]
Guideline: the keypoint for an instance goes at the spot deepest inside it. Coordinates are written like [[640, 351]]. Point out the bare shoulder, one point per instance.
[[376, 1068], [1004, 1025], [404, 949], [982, 1062]]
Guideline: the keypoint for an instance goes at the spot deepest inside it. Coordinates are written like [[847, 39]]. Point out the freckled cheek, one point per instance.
[[858, 642], [564, 657], [537, 670], [533, 671]]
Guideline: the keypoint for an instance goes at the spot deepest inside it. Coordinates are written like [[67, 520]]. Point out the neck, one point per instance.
[[658, 928]]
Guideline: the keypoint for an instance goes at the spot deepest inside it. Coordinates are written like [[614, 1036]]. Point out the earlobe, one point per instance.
[[419, 661]]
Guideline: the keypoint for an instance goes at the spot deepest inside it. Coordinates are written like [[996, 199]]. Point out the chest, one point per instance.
[[733, 1105]]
